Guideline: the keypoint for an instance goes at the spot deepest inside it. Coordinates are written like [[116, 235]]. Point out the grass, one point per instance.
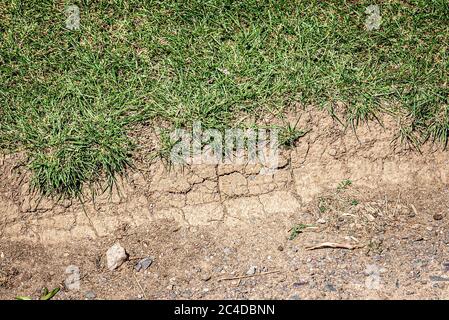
[[297, 229], [289, 134], [344, 184], [322, 205], [69, 98], [46, 295]]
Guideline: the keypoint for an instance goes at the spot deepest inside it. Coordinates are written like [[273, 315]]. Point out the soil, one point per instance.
[[228, 232]]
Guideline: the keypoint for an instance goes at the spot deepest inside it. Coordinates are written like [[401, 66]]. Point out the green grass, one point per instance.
[[46, 295], [344, 184], [297, 229], [289, 134], [70, 98]]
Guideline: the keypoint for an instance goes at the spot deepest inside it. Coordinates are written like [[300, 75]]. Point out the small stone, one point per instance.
[[206, 277], [115, 256], [299, 284], [329, 287], [144, 264], [321, 221], [437, 216], [251, 271], [446, 266], [332, 152], [438, 278], [90, 295], [281, 248]]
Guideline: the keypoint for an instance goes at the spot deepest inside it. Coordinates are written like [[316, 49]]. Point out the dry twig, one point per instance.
[[334, 245], [250, 276]]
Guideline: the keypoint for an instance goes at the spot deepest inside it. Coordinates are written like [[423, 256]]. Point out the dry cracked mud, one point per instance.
[[207, 225]]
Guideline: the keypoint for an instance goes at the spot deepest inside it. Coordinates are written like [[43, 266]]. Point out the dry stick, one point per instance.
[[334, 245], [88, 218], [414, 209], [250, 276], [136, 258], [141, 289]]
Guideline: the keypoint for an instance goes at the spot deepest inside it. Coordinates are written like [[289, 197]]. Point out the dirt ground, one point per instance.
[[225, 232]]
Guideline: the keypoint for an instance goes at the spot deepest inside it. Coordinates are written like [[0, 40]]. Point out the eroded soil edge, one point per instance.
[[206, 225]]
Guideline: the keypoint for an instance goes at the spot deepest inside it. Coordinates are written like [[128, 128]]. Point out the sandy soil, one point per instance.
[[225, 231]]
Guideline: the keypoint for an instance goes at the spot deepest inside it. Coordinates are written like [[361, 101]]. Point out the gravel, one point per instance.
[[251, 271], [115, 256], [144, 264]]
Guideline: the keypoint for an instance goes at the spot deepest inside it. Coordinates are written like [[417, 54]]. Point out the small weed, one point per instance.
[[344, 184], [289, 135], [46, 295], [354, 202], [296, 230], [322, 205], [166, 147]]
